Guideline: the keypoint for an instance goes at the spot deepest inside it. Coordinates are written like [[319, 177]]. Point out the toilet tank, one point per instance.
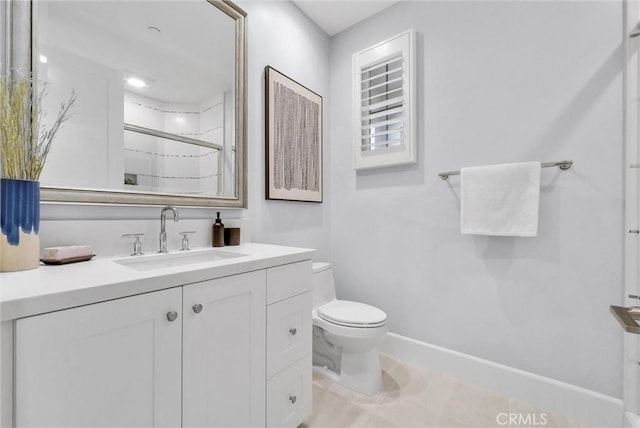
[[324, 289]]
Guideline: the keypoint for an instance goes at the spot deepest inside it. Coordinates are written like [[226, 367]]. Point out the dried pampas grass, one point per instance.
[[24, 142]]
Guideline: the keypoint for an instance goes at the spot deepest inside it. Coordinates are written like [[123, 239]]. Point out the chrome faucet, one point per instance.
[[163, 233]]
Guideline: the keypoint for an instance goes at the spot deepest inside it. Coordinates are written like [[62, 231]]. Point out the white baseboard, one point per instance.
[[577, 404]]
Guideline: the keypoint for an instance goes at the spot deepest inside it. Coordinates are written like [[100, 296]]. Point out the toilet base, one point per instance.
[[359, 372]]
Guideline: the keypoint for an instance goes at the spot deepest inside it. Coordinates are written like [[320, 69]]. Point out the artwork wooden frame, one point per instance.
[[293, 152]]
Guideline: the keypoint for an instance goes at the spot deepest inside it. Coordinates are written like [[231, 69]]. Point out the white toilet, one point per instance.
[[345, 335]]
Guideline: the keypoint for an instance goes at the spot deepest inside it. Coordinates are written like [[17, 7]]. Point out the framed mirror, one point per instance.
[[160, 112]]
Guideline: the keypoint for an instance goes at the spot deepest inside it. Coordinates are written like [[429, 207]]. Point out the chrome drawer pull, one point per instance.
[[197, 308], [293, 399], [293, 331], [172, 316]]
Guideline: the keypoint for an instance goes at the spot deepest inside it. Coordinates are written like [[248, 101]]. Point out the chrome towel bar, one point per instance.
[[560, 164]]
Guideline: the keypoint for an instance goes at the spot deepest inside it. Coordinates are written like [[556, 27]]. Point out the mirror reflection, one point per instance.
[[156, 103]]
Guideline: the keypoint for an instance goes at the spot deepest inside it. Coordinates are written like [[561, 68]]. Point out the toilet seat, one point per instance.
[[352, 314]]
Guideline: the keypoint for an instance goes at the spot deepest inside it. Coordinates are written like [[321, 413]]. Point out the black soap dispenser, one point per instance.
[[218, 232]]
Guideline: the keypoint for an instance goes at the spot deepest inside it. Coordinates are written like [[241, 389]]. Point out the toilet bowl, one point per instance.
[[345, 335]]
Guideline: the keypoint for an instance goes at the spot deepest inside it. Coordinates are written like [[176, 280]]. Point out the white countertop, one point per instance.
[[54, 287]]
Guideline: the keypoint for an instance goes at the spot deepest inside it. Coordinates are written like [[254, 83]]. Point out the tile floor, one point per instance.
[[414, 397]]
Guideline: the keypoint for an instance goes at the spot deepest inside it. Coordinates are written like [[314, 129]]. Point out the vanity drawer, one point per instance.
[[288, 280], [288, 332], [289, 395]]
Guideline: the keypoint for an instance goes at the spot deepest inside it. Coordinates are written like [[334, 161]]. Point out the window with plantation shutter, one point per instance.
[[383, 82]]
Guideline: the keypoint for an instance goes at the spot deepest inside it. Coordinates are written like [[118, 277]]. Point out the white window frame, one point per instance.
[[400, 150]]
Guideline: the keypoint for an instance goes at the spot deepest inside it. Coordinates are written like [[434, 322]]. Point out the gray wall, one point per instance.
[[497, 82], [281, 36]]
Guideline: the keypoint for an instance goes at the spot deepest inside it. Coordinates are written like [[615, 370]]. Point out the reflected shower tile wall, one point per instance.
[[182, 119], [143, 111], [211, 120]]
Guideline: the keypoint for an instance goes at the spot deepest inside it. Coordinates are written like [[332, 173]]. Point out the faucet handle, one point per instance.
[[137, 244], [185, 239]]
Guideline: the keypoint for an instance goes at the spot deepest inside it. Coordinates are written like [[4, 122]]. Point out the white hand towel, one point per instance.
[[500, 200]]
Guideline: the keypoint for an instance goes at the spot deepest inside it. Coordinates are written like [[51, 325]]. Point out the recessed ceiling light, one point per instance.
[[136, 82], [43, 59], [180, 119]]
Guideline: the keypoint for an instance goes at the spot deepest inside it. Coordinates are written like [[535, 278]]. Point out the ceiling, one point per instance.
[[334, 16]]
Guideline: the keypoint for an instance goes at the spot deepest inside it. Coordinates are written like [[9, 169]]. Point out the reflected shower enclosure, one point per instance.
[[175, 148]]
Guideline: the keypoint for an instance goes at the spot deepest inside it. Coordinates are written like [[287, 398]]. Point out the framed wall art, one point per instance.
[[293, 139]]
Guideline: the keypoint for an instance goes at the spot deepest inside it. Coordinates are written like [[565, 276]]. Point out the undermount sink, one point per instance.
[[161, 261]]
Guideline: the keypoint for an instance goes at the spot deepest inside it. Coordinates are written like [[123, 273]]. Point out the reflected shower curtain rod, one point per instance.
[[560, 164]]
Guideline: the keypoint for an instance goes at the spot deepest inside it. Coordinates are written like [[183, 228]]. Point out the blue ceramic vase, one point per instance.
[[19, 225]]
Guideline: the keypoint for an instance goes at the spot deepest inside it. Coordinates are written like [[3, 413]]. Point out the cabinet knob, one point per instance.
[[293, 399], [293, 331], [197, 308], [172, 316]]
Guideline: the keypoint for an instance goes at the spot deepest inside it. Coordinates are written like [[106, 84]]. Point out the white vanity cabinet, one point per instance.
[[109, 364], [289, 382], [224, 346], [192, 355]]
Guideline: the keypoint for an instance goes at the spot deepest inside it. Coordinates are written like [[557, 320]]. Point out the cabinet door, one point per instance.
[[109, 364], [224, 352]]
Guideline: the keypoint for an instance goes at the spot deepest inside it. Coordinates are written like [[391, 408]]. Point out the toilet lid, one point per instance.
[[352, 314]]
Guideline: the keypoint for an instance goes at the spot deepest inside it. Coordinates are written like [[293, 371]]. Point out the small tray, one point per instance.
[[68, 260]]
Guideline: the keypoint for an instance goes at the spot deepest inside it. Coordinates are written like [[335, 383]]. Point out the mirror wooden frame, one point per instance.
[[19, 54]]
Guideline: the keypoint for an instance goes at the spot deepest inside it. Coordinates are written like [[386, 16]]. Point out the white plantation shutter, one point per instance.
[[381, 104], [384, 103]]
